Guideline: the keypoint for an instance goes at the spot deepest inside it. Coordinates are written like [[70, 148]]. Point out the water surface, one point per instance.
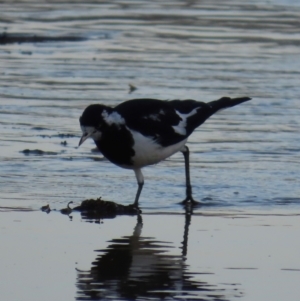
[[63, 56]]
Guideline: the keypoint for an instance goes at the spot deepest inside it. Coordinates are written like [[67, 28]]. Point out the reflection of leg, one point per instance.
[[186, 154], [139, 220], [188, 218], [138, 227], [140, 180]]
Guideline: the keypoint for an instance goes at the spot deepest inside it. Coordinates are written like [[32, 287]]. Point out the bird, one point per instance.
[[141, 132]]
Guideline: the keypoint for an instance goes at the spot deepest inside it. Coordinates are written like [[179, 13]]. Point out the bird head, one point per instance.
[[91, 122]]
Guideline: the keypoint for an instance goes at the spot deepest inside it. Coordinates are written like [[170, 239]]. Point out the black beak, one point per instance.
[[83, 138]]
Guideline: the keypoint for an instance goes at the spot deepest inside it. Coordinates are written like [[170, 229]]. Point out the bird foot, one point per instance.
[[135, 207], [189, 200]]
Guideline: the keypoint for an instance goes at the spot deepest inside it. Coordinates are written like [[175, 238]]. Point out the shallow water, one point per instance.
[[243, 159]]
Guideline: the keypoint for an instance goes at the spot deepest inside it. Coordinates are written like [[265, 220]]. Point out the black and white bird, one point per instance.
[[142, 132]]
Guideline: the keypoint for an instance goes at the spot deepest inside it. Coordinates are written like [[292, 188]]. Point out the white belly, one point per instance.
[[147, 152]]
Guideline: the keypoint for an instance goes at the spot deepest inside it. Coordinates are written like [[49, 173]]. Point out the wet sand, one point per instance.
[[225, 255]]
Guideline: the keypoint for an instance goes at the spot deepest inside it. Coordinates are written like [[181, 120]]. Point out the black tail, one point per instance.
[[208, 109], [226, 102]]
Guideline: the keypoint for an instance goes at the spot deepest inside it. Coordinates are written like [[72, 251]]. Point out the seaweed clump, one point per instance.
[[98, 208]]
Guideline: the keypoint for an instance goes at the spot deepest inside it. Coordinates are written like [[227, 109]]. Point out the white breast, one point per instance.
[[147, 152]]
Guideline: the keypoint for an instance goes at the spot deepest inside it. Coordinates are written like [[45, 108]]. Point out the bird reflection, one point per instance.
[[135, 267]]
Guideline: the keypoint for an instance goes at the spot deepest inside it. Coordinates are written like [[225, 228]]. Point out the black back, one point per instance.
[[156, 118]]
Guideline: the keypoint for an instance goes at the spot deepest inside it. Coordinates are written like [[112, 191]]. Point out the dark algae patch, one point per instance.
[[96, 209], [37, 152], [99, 208], [6, 38], [65, 135]]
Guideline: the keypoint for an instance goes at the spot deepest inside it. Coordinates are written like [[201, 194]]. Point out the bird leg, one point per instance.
[[137, 196], [189, 198], [140, 180]]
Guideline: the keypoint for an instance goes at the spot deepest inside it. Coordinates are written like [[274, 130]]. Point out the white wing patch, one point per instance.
[[181, 127], [154, 117], [112, 118]]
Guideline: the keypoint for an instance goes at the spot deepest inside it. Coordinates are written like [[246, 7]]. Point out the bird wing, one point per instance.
[[169, 122], [166, 122]]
